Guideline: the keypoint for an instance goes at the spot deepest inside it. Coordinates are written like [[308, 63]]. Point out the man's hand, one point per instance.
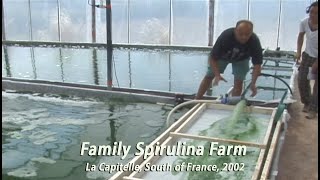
[[217, 79], [298, 57], [253, 89]]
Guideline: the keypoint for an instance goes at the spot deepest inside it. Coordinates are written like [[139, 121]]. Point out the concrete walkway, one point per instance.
[[299, 155]]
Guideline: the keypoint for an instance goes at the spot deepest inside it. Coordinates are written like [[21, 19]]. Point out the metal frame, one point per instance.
[[95, 46], [3, 24], [30, 20], [109, 43], [170, 23], [103, 45], [211, 23], [173, 131], [279, 23], [170, 19], [103, 93], [59, 20]]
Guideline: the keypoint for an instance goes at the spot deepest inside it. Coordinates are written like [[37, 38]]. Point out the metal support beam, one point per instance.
[[33, 62], [128, 20], [170, 72], [248, 9], [61, 64], [93, 21], [3, 25], [130, 73], [30, 20], [59, 27], [109, 44], [95, 67], [279, 23], [211, 23], [6, 60], [170, 23]]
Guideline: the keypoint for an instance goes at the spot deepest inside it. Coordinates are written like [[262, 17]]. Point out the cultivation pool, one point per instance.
[[42, 134]]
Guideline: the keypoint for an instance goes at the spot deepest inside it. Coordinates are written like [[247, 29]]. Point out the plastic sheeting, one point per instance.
[[149, 22]]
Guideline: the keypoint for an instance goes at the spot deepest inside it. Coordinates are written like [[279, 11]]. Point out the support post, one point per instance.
[[6, 60], [30, 21], [210, 35], [211, 23], [128, 21], [279, 23], [59, 27], [170, 23], [93, 21], [3, 25], [248, 9], [109, 44]]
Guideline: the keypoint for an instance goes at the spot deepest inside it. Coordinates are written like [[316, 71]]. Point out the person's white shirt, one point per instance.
[[311, 38]]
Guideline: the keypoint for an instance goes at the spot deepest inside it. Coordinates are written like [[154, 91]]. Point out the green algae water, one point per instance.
[[240, 125], [41, 135], [237, 125]]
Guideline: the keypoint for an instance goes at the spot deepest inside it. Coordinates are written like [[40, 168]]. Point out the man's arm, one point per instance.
[[299, 45], [214, 66], [214, 55], [255, 73], [300, 40], [257, 58]]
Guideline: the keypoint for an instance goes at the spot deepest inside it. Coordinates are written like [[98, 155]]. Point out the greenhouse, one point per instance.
[[129, 89]]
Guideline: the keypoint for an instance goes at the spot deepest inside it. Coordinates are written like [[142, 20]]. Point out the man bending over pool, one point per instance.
[[235, 46]]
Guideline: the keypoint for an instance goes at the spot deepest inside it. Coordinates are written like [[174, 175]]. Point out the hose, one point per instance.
[[187, 103], [268, 75], [275, 76], [281, 107], [278, 114]]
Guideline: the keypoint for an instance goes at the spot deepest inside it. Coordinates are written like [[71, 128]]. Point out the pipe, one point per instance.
[[279, 23], [93, 21], [3, 25], [128, 20], [248, 9], [170, 73], [109, 43], [61, 64], [170, 23], [59, 20], [230, 101], [187, 103], [7, 61], [269, 75], [211, 23], [30, 21]]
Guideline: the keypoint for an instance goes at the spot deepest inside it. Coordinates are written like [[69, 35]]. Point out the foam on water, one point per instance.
[[43, 160], [27, 171], [47, 98]]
